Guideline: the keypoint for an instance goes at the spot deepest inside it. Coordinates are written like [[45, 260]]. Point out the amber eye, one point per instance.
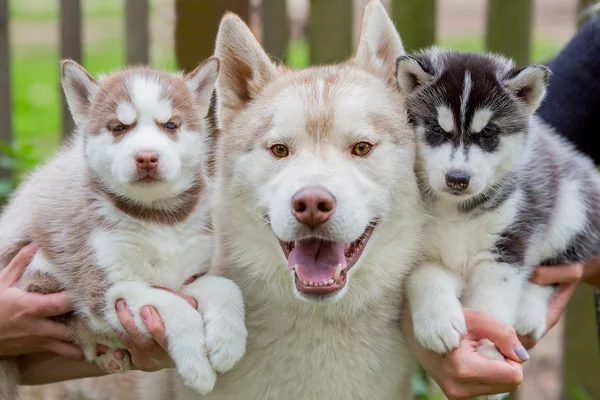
[[361, 149], [280, 150]]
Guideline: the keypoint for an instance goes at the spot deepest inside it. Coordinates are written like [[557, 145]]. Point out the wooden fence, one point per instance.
[[330, 36]]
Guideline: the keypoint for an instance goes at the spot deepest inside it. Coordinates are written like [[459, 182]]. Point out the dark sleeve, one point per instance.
[[572, 103]]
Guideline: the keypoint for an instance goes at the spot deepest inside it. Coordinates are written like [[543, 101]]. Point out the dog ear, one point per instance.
[[379, 43], [245, 68], [411, 73], [528, 84], [79, 87], [201, 82]]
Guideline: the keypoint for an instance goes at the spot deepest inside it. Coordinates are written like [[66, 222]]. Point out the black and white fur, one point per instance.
[[506, 194]]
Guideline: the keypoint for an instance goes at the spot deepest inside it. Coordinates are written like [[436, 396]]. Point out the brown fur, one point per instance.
[[171, 213], [58, 207], [114, 91]]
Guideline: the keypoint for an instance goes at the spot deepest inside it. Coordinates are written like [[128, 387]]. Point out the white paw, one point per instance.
[[225, 339], [112, 364], [439, 331], [197, 373], [531, 320], [489, 350], [187, 348], [222, 307], [497, 396]]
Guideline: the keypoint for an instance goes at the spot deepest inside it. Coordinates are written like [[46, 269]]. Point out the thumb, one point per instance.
[[482, 326], [17, 266]]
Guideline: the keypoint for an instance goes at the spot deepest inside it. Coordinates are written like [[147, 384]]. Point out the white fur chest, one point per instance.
[[162, 256], [309, 352], [461, 241]]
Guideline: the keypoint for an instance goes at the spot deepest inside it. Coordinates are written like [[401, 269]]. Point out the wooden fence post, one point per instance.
[[195, 33], [137, 32], [581, 367], [508, 28], [415, 21], [275, 28], [196, 27], [5, 86], [330, 31], [70, 47]]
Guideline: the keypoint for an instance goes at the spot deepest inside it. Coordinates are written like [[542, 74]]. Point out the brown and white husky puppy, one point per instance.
[[124, 208]]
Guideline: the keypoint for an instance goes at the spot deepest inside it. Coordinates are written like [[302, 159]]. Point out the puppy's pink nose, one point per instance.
[[146, 160], [313, 206]]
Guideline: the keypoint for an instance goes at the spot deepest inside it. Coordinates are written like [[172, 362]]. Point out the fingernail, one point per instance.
[[146, 314], [521, 352], [121, 306], [114, 365], [119, 355]]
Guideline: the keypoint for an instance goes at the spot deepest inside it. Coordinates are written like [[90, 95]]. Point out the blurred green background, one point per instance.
[[35, 56]]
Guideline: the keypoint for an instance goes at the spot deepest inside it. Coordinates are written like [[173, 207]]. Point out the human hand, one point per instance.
[[465, 373], [25, 324], [146, 354]]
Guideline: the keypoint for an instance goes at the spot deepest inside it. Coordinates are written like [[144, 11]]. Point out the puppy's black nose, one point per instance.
[[457, 179]]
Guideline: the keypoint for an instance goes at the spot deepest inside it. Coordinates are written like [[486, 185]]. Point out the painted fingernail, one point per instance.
[[146, 314], [121, 306], [119, 355], [521, 352]]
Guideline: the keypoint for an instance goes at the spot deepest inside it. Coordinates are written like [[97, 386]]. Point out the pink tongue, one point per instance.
[[316, 260]]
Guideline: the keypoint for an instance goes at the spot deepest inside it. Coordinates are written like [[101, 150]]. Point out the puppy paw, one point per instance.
[[114, 361], [225, 337], [489, 350], [439, 331], [187, 348], [531, 320], [197, 374], [496, 396]]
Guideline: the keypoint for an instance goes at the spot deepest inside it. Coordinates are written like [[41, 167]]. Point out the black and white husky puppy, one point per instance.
[[505, 193]]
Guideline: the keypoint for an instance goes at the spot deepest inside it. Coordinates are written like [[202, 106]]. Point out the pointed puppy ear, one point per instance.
[[411, 73], [528, 84], [79, 87], [201, 82]]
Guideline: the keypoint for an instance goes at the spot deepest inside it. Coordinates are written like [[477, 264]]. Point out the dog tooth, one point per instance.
[[330, 282], [337, 273], [305, 283]]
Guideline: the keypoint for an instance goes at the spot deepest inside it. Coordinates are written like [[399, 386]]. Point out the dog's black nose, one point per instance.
[[457, 179]]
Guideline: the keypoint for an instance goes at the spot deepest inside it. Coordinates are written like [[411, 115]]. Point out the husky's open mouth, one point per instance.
[[321, 266]]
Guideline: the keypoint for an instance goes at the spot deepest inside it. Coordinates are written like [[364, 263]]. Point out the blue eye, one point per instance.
[[171, 125], [118, 128]]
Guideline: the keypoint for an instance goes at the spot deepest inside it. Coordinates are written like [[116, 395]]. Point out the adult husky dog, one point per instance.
[[319, 218]]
